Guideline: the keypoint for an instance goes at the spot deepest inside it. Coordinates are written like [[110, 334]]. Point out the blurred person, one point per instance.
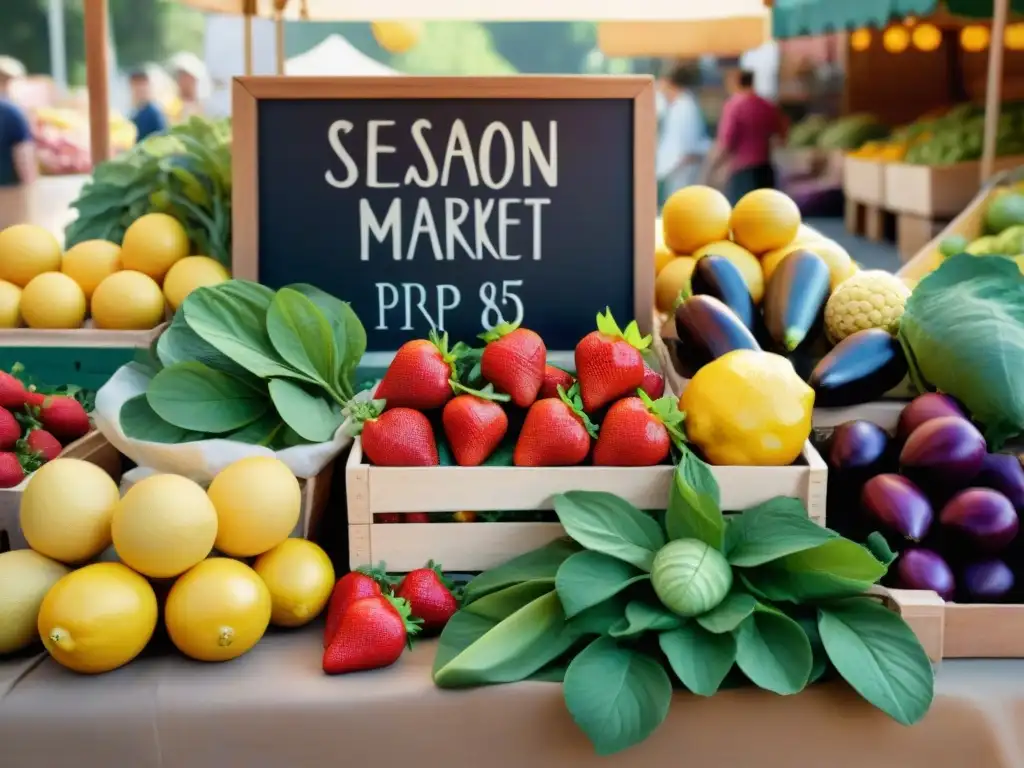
[[147, 116], [746, 133], [683, 141], [193, 83], [18, 165]]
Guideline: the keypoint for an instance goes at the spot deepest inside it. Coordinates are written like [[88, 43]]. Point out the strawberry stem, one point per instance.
[[575, 403], [487, 393], [360, 412], [401, 605], [501, 329], [666, 410], [606, 324]]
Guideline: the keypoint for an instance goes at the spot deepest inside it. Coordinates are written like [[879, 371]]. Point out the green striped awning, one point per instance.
[[797, 18]]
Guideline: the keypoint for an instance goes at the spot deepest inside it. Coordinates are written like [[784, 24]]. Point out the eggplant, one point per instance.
[[857, 445], [707, 329], [924, 569], [898, 505], [860, 368], [987, 581], [947, 451], [984, 516], [717, 276], [1003, 472], [794, 301], [922, 408]]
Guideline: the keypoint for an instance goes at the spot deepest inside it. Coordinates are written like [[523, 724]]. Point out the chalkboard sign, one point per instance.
[[455, 203]]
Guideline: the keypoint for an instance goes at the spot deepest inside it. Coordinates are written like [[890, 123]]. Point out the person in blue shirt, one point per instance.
[[148, 117], [18, 167]]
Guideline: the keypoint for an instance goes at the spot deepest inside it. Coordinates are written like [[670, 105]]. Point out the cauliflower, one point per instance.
[[869, 299]]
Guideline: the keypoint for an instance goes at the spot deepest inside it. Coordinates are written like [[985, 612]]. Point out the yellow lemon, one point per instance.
[[693, 217], [66, 510], [744, 260], [10, 305], [258, 501], [163, 526], [764, 219], [190, 273], [397, 36], [89, 262], [98, 618], [300, 578], [672, 279], [53, 300], [662, 256], [25, 578], [27, 250], [128, 301], [153, 243], [218, 610]]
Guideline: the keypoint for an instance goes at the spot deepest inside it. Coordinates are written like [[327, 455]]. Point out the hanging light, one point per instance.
[[860, 39], [926, 37], [910, 21], [1014, 37], [397, 36], [896, 39], [974, 39]]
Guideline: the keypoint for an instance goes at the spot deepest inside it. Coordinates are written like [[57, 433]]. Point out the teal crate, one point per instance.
[[86, 367]]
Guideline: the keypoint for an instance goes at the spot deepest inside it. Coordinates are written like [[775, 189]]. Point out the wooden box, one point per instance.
[[936, 191], [79, 337], [864, 180], [884, 413]]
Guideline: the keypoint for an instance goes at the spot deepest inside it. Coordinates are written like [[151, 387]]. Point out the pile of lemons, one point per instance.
[[171, 537], [122, 287]]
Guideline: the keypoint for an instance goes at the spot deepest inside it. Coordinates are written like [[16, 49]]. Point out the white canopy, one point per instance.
[[335, 56]]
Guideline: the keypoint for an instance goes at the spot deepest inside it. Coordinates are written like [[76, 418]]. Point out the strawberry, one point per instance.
[[13, 394], [10, 430], [11, 471], [474, 423], [372, 634], [400, 437], [350, 587], [416, 517], [553, 379], [556, 432], [653, 383], [513, 361], [639, 432], [609, 363], [430, 598], [418, 376], [42, 443], [387, 517], [63, 417]]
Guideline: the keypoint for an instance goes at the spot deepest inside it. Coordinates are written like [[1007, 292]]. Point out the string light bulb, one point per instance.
[[860, 39], [896, 39], [974, 38]]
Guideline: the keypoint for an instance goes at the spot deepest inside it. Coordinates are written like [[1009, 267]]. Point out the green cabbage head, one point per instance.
[[690, 577]]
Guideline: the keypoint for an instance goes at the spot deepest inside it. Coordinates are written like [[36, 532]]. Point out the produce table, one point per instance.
[[274, 707]]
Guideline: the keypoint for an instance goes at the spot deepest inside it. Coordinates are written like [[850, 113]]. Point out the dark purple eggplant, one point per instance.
[[946, 451], [922, 408], [1003, 472], [898, 505], [794, 301], [987, 581], [857, 445], [717, 276], [707, 329], [924, 569], [860, 368], [985, 516]]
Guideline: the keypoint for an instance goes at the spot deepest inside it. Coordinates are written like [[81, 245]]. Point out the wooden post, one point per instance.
[[994, 89], [96, 77], [249, 10]]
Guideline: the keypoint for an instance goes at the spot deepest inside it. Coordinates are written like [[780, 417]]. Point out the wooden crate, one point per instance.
[[936, 191], [79, 337], [915, 232], [884, 413], [864, 180]]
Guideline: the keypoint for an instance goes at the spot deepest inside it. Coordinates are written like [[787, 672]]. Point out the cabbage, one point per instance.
[[963, 333], [690, 577]]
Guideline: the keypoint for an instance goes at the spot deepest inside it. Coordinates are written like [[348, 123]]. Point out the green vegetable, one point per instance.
[[963, 334], [631, 605], [952, 245]]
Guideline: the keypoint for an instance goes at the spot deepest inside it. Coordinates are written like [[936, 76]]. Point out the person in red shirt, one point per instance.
[[746, 131]]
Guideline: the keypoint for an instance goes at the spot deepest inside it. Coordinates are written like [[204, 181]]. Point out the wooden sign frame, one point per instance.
[[247, 92]]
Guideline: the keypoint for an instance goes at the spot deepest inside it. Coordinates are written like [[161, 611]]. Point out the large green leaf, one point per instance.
[[729, 613], [605, 523], [838, 568], [773, 651], [194, 397], [879, 656], [772, 530], [538, 564], [180, 344], [694, 503], [303, 337], [349, 333], [700, 659], [641, 617], [588, 578], [140, 422], [499, 605], [617, 695], [310, 413]]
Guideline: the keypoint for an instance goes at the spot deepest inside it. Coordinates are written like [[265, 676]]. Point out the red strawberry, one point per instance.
[[418, 376], [13, 394], [653, 384], [609, 363], [416, 517], [638, 432], [387, 517], [430, 598], [400, 437], [11, 471], [553, 379], [64, 417], [42, 443], [556, 433], [475, 424], [10, 430], [372, 634], [513, 361], [350, 587]]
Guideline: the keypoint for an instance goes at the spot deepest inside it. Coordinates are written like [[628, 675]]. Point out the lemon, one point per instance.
[[163, 526], [673, 278], [764, 220], [153, 243], [10, 305], [258, 501], [190, 273], [53, 300], [25, 578], [89, 262], [128, 301], [27, 250], [66, 510], [300, 578], [218, 610], [743, 260], [98, 618], [693, 217]]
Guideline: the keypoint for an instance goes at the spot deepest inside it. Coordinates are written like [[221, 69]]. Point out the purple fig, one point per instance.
[[985, 516], [1003, 472], [987, 580], [923, 569], [898, 505], [857, 444], [945, 451], [922, 408]]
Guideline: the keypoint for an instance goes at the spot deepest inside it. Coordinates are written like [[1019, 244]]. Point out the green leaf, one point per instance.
[[773, 651], [588, 578], [462, 630], [694, 503], [501, 604], [772, 530], [617, 696], [303, 337], [180, 344], [263, 431], [879, 547], [600, 618], [349, 333], [820, 665], [539, 564], [837, 568], [605, 523], [700, 659], [643, 617], [312, 416], [729, 613], [140, 422], [879, 656], [195, 397]]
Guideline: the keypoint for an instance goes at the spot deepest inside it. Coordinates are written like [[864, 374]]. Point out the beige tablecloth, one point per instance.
[[274, 708]]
